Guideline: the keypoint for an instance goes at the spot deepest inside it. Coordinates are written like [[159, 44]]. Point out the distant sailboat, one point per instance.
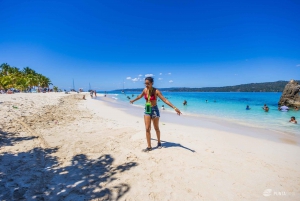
[[123, 87], [73, 89]]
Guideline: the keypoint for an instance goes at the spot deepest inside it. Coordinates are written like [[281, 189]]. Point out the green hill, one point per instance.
[[251, 87]]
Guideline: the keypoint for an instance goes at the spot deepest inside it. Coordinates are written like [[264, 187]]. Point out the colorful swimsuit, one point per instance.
[[154, 109]]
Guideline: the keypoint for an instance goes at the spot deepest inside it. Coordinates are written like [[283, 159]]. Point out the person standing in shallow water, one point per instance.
[[150, 93]]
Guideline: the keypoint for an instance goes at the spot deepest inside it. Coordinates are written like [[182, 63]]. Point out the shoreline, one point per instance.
[[235, 111], [201, 121]]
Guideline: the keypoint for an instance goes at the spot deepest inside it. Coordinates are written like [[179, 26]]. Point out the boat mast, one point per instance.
[[73, 84]]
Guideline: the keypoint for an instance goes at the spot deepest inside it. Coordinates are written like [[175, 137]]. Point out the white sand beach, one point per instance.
[[56, 146]]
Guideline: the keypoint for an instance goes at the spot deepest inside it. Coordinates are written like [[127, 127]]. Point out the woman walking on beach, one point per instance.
[[151, 110]]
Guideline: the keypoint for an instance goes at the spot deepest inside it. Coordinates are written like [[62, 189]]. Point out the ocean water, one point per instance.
[[228, 106]]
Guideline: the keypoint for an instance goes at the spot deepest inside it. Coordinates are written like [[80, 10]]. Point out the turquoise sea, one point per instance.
[[228, 106]]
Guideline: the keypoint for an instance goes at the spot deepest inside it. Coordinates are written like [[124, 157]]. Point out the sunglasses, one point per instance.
[[147, 83]]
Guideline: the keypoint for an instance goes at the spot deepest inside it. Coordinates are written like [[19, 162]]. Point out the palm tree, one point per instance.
[[28, 71], [4, 68], [55, 88], [13, 77]]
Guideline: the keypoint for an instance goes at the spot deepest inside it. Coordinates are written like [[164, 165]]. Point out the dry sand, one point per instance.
[[59, 147]]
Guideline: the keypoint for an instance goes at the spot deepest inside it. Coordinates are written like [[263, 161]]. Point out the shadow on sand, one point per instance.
[[38, 175], [167, 144], [9, 139]]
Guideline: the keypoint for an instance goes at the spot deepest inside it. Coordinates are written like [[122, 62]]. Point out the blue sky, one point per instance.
[[182, 43]]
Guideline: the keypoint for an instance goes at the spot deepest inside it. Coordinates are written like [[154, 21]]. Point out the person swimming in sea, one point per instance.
[[283, 108], [151, 112], [265, 108], [184, 102], [248, 108], [293, 120], [296, 108]]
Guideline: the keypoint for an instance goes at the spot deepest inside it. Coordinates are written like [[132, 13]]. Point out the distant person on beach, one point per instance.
[[293, 120], [248, 108], [163, 107], [91, 93], [296, 108], [284, 108], [151, 112], [9, 91], [95, 93], [83, 97], [184, 102]]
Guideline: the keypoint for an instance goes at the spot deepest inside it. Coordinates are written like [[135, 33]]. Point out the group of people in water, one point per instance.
[[282, 108]]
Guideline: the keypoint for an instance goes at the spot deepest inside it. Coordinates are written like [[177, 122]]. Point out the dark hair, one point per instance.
[[293, 117], [150, 79]]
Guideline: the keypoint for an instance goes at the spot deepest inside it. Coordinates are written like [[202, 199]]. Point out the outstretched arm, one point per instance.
[[159, 94], [138, 97]]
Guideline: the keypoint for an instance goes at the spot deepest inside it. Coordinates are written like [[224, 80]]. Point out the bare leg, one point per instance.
[[147, 120], [156, 127]]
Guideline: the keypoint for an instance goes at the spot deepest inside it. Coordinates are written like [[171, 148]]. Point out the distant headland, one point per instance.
[[277, 86]]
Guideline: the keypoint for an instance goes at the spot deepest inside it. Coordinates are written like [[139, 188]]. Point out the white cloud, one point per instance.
[[149, 75], [135, 79], [298, 65], [140, 75], [160, 73], [160, 78], [128, 78], [169, 73], [171, 81]]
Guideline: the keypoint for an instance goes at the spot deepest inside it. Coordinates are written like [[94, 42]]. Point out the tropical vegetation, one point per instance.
[[23, 80]]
